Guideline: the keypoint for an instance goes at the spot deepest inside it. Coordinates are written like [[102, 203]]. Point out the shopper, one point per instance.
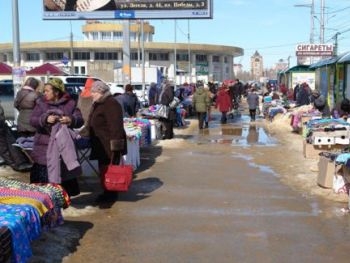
[[253, 103], [107, 134], [153, 94], [84, 104], [129, 102], [201, 103], [166, 96], [223, 103], [25, 102], [53, 110]]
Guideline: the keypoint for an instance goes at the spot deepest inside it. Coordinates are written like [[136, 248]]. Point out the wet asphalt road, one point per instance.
[[201, 198]]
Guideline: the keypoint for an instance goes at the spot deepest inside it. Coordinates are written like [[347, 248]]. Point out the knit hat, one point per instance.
[[100, 87], [87, 89], [57, 83]]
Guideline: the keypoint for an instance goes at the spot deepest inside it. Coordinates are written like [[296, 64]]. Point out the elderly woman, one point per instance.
[[54, 109], [107, 134]]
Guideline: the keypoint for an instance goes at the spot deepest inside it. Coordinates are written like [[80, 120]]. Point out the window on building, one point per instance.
[[159, 56], [94, 35], [216, 58], [81, 55], [201, 58], [76, 70], [54, 55], [106, 35], [182, 57], [106, 55], [117, 35], [32, 56], [82, 70], [134, 56], [4, 58]]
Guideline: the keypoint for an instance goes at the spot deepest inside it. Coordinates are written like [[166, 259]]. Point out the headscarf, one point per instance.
[[100, 87], [87, 89]]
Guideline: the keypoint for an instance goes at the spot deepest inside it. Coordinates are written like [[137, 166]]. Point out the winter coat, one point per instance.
[[223, 101], [201, 100], [130, 104], [303, 96], [153, 94], [25, 103], [106, 128], [38, 120], [253, 100], [166, 96]]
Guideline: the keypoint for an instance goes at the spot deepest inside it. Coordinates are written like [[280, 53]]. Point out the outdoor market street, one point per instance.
[[224, 195]]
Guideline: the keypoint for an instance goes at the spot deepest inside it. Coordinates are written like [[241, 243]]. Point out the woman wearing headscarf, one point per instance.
[[25, 103], [84, 105], [53, 109], [107, 134]]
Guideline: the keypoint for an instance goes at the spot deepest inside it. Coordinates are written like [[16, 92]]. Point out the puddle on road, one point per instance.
[[246, 134]]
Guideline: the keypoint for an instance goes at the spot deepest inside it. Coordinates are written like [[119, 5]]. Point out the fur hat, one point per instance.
[[100, 87], [57, 83]]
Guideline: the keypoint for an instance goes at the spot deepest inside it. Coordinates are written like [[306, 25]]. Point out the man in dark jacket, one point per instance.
[[129, 102]]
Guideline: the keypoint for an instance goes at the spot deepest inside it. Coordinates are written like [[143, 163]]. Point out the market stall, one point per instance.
[[25, 211]]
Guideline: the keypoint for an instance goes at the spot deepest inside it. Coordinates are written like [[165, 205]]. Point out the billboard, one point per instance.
[[126, 9]]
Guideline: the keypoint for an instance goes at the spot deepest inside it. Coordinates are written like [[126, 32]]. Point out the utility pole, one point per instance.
[[322, 22], [71, 50], [189, 52], [16, 71], [312, 12]]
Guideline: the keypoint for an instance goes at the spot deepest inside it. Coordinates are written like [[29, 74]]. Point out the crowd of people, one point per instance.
[[54, 122], [49, 115]]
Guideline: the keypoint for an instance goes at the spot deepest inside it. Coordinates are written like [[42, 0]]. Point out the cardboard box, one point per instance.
[[326, 172], [311, 151]]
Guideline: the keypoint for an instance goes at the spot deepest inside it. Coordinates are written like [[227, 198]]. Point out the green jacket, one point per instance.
[[201, 100]]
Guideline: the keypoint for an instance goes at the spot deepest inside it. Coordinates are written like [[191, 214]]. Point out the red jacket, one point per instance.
[[223, 101]]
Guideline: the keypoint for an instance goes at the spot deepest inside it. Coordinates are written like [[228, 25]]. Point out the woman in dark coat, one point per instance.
[[166, 96], [43, 118], [25, 103], [107, 134]]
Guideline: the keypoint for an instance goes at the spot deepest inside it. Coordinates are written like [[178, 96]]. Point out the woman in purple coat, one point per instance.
[[55, 106]]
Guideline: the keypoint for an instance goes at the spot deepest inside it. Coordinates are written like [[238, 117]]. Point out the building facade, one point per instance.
[[257, 66], [101, 52]]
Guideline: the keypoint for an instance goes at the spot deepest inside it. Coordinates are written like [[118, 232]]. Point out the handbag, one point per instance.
[[162, 111], [174, 103], [118, 177]]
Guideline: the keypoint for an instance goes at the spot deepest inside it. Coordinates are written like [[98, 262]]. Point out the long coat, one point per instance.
[[223, 101], [106, 128], [38, 120], [201, 100], [25, 103], [166, 96]]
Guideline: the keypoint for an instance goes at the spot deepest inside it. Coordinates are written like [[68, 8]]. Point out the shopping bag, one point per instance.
[[118, 177], [174, 103], [162, 111]]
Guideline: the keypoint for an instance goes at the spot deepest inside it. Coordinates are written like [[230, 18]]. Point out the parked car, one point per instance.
[[115, 88]]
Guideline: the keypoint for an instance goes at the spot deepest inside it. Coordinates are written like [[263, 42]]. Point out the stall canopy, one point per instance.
[[5, 69], [46, 69]]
